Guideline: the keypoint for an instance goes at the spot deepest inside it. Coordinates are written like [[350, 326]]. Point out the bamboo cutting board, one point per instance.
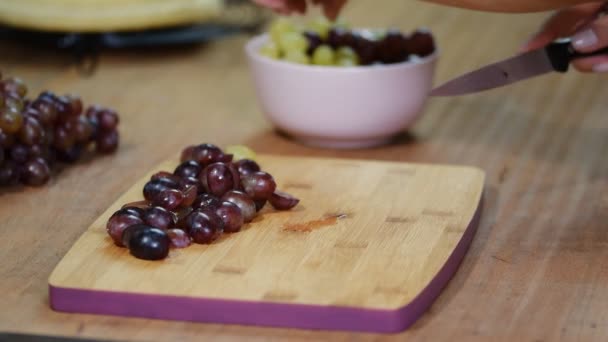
[[369, 247]]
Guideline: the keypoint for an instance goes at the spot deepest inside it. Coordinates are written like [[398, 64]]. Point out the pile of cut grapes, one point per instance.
[[324, 43], [209, 193], [38, 134]]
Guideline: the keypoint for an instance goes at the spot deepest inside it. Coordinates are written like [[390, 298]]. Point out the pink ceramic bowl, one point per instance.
[[338, 107]]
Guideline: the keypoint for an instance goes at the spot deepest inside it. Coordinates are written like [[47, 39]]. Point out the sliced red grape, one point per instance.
[[170, 179], [168, 199], [246, 166], [283, 201], [189, 168], [117, 224], [231, 215], [107, 142], [108, 120], [206, 154], [217, 179], [154, 187], [19, 153], [204, 226], [9, 173], [259, 185], [393, 47], [130, 210], [179, 238], [180, 217], [46, 110], [70, 155], [190, 193], [244, 202], [137, 204], [11, 120], [421, 43], [187, 153], [127, 232], [82, 129], [6, 140], [204, 201], [35, 172], [188, 182], [149, 243], [159, 217]]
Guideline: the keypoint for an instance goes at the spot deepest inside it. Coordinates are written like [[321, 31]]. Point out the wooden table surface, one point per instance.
[[538, 266]]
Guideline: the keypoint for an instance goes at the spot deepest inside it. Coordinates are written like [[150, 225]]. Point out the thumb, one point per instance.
[[593, 37]]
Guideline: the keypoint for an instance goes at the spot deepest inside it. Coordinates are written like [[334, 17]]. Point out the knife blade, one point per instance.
[[556, 57]]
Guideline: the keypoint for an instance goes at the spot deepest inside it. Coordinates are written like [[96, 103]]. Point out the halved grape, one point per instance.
[[19, 153], [321, 26], [9, 173], [108, 120], [270, 50], [189, 168], [179, 238], [297, 57], [283, 201], [35, 172], [231, 215], [130, 210], [204, 226], [293, 42], [218, 178], [149, 243], [190, 193], [206, 154], [244, 202], [169, 199], [259, 185], [117, 225], [206, 201], [324, 55], [10, 120], [280, 26], [159, 217], [246, 166], [107, 142]]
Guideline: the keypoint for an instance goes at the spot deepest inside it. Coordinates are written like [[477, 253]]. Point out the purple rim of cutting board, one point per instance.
[[264, 313]]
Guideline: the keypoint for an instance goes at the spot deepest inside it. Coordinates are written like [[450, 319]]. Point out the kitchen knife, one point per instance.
[[556, 57]]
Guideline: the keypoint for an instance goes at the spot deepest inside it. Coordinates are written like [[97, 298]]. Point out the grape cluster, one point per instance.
[[38, 134], [330, 44], [208, 194]]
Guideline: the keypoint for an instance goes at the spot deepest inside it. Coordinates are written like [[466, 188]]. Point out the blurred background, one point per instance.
[[176, 60]]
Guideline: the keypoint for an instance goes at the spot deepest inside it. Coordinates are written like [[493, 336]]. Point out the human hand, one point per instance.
[[587, 29], [331, 8]]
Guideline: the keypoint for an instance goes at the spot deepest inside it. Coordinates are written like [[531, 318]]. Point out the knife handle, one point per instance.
[[561, 54]]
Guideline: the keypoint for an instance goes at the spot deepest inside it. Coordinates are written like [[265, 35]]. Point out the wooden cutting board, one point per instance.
[[369, 247]]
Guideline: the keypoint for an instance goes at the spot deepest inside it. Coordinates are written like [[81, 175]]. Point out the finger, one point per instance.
[[275, 5], [593, 37], [332, 8], [592, 64], [299, 6], [561, 24]]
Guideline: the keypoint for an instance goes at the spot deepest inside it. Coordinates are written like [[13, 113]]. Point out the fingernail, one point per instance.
[[585, 39], [602, 67]]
